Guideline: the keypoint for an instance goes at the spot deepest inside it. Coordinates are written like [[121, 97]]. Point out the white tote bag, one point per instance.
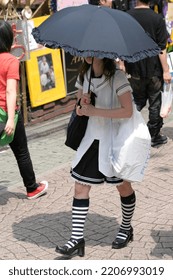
[[131, 144], [166, 98]]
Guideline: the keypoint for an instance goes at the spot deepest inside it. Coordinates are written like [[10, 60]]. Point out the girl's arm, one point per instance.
[[125, 111], [11, 96]]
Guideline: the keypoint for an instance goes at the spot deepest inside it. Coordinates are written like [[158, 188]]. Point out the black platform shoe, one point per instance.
[[122, 238], [74, 245]]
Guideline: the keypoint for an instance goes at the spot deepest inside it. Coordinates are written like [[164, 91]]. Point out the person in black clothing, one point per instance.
[[148, 75]]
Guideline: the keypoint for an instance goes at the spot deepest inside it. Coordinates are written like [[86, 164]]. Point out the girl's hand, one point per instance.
[[86, 110], [167, 77], [85, 99], [9, 128]]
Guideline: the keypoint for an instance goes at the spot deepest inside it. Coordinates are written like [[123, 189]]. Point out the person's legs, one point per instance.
[[22, 155], [80, 209], [150, 89], [139, 92], [87, 172], [20, 150], [128, 199], [155, 122]]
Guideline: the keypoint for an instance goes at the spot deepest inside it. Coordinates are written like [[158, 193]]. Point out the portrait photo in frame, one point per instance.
[[45, 76]]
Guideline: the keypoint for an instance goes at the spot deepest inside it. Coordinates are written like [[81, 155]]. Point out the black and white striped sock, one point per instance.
[[79, 212], [128, 207]]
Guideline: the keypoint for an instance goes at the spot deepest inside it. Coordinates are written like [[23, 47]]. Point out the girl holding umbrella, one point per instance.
[[91, 166], [105, 34]]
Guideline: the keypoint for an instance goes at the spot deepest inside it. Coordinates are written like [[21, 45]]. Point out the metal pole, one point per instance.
[[23, 92]]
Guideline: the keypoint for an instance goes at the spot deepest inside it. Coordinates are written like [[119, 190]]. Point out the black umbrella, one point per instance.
[[89, 30]]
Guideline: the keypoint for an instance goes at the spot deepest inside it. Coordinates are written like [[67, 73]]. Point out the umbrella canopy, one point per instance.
[[96, 31]]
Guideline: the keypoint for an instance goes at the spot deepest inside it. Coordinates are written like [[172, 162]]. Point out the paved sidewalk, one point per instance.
[[32, 229]]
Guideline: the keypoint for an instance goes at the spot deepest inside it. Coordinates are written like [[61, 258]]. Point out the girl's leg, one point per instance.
[[128, 199], [20, 150], [79, 212]]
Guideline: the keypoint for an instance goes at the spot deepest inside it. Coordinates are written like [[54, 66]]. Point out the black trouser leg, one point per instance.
[[20, 149]]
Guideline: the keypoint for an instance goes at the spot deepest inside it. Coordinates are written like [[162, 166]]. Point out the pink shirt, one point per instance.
[[9, 69]]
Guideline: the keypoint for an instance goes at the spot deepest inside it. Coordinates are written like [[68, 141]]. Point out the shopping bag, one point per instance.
[[170, 61], [130, 149], [166, 99], [4, 138]]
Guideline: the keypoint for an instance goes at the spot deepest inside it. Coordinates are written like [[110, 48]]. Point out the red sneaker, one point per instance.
[[42, 188]]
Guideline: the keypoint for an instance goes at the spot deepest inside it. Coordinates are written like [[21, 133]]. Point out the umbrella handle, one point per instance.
[[90, 76]]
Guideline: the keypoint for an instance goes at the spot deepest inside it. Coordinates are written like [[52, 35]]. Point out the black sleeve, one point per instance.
[[161, 33]]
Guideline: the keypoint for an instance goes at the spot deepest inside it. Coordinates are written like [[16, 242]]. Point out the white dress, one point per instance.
[[98, 127]]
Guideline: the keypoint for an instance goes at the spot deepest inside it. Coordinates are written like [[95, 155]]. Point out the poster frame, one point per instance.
[[38, 95]]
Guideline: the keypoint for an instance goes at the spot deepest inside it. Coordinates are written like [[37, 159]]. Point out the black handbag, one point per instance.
[[76, 127], [76, 130]]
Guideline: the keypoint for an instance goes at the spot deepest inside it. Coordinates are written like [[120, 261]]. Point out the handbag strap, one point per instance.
[[89, 84]]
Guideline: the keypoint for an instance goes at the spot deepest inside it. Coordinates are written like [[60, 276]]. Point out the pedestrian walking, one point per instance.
[[91, 165], [149, 74], [9, 77]]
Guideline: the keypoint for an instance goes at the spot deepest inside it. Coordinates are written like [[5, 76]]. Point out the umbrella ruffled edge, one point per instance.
[[89, 53]]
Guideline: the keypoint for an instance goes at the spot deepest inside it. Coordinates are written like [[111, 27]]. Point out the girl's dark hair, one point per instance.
[[108, 68], [6, 36]]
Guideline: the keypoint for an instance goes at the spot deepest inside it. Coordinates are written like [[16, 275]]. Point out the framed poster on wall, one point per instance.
[[71, 65], [44, 70], [45, 76]]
